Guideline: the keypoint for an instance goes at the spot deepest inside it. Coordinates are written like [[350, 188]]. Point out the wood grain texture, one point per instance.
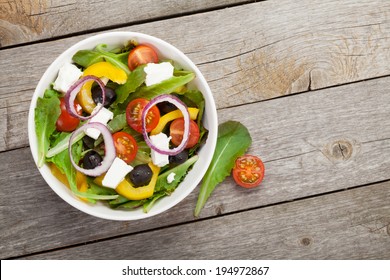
[[353, 224], [247, 53], [23, 21], [330, 140]]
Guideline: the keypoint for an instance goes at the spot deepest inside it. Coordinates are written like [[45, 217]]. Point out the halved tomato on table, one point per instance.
[[248, 171], [134, 115], [125, 146], [176, 131], [142, 54]]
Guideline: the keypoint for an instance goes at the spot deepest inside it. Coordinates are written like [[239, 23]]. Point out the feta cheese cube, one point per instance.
[[171, 177], [67, 76], [156, 73], [116, 173], [161, 141], [102, 117]]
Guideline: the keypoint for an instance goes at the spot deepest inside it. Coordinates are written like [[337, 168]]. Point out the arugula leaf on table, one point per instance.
[[46, 114], [233, 140]]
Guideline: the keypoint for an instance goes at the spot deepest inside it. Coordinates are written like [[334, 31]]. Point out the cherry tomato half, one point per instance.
[[141, 54], [176, 131], [134, 115], [66, 122], [125, 146], [248, 171]]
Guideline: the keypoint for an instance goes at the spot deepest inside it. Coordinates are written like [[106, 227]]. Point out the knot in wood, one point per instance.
[[219, 209], [388, 229], [306, 241], [341, 150]]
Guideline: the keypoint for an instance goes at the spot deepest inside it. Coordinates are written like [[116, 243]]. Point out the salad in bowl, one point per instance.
[[122, 126]]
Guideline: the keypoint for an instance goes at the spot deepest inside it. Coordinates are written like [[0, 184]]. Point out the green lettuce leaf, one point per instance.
[[86, 58], [134, 80], [165, 87], [180, 171], [233, 140], [46, 114]]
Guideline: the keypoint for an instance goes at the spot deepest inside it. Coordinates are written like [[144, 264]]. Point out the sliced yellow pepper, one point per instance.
[[126, 189], [81, 179], [99, 69], [99, 180], [172, 116]]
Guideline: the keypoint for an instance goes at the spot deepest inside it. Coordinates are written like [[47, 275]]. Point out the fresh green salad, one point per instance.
[[120, 125]]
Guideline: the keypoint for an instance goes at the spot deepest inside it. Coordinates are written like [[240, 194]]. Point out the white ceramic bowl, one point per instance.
[[193, 178]]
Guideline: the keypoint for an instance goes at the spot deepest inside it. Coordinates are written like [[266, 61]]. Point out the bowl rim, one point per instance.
[[211, 124]]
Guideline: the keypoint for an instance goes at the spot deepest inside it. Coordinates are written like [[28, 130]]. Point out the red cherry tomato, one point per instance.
[[176, 131], [248, 171], [125, 146], [65, 121], [141, 54], [134, 115]]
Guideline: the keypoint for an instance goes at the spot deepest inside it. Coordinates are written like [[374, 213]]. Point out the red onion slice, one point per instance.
[[72, 92], [110, 152], [183, 108]]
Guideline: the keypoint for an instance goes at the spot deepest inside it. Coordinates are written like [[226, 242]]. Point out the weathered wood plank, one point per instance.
[[248, 58], [334, 139], [24, 21], [353, 224]]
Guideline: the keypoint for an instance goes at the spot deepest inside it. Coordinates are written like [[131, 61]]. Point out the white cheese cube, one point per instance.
[[156, 73], [67, 76], [102, 117], [171, 177], [116, 173], [161, 141]]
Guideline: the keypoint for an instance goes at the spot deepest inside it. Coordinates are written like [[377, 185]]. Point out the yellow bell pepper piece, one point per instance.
[[99, 180], [172, 116], [81, 179], [99, 69], [126, 189]]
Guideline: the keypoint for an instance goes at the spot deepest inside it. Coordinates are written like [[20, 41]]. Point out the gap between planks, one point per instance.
[[222, 215], [127, 24]]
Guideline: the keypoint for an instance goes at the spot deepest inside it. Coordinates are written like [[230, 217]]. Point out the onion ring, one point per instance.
[[72, 92], [110, 152], [183, 108]]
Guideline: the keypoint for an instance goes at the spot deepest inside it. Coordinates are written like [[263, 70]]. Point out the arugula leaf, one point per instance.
[[180, 171], [96, 189], [118, 201], [151, 201], [117, 123], [233, 140], [134, 80], [63, 163], [86, 58], [194, 98], [165, 87], [143, 154], [62, 143], [46, 114], [130, 204]]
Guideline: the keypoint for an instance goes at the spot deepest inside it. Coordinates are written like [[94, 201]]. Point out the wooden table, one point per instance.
[[311, 81]]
